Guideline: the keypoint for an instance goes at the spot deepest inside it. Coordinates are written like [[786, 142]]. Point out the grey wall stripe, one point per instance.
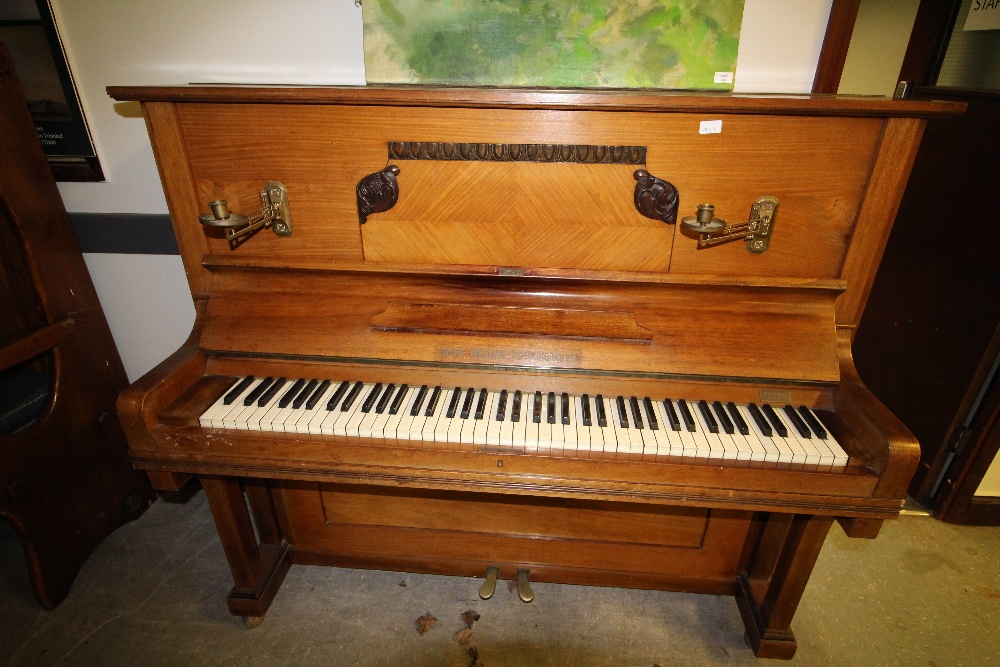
[[125, 233]]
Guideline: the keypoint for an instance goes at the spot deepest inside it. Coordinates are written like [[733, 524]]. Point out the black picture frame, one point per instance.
[[29, 31]]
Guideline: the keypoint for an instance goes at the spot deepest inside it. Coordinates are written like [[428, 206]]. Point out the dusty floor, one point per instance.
[[923, 593]]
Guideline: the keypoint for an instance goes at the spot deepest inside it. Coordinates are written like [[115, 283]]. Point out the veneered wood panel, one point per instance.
[[696, 330], [817, 167], [689, 542], [518, 214], [522, 516]]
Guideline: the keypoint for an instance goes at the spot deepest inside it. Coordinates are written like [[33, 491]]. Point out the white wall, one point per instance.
[[878, 45], [149, 42]]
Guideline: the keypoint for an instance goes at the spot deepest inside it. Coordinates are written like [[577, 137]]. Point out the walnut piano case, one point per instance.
[[540, 241]]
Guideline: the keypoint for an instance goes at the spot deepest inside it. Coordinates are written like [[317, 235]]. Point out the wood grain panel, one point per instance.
[[706, 544], [817, 167], [518, 214], [487, 514], [696, 330]]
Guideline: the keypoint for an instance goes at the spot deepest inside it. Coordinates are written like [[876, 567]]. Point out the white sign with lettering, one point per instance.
[[983, 15]]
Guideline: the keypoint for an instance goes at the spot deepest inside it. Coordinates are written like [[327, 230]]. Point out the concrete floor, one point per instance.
[[924, 593]]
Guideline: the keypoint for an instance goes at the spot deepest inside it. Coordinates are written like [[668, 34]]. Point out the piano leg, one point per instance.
[[258, 568], [777, 570]]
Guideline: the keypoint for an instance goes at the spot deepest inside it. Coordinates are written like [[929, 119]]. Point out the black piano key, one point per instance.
[[453, 405], [481, 405], [797, 422], [759, 419], [241, 386], [622, 414], [433, 403], [502, 405], [636, 414], [271, 391], [686, 415], [706, 413], [775, 422], [467, 405], [304, 394], [813, 422], [292, 392], [352, 396], [536, 413], [565, 408], [258, 390], [318, 394], [337, 395], [602, 417], [654, 423], [419, 401], [384, 401], [515, 407], [741, 424], [550, 415], [585, 404], [370, 399], [397, 402], [724, 421], [668, 407]]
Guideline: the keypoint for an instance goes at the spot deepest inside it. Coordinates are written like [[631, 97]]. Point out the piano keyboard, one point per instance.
[[527, 420]]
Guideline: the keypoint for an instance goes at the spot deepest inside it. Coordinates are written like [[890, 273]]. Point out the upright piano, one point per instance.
[[592, 337]]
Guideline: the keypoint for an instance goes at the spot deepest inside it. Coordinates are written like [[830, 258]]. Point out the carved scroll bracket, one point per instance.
[[378, 192], [655, 198]]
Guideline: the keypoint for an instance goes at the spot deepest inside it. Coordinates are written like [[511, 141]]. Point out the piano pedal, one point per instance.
[[523, 587], [489, 586]]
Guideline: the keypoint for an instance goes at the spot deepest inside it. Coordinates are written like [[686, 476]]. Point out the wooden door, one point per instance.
[[926, 342]]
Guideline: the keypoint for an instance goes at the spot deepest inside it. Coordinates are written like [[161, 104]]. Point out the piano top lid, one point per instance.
[[544, 98]]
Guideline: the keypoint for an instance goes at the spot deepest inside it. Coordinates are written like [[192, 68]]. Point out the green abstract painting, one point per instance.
[[690, 44]]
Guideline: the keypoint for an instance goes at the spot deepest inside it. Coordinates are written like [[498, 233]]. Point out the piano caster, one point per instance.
[[489, 586], [523, 587], [251, 622]]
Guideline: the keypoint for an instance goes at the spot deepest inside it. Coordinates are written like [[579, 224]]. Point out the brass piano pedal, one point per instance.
[[489, 586], [523, 587]]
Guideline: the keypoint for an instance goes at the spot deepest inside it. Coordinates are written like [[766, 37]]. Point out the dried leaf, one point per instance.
[[474, 657], [425, 623], [402, 582], [465, 637], [470, 617]]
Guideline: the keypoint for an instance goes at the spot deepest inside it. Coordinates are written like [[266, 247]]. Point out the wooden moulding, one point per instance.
[[650, 101]]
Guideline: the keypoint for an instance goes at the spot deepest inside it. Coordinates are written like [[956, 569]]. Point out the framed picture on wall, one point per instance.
[[28, 30]]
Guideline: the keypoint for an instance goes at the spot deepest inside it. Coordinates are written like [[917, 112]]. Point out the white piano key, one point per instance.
[[505, 438], [582, 432], [493, 427], [481, 426], [365, 427], [412, 424], [519, 433], [444, 422], [569, 431], [456, 423], [544, 426], [665, 444], [254, 420], [532, 428], [219, 406], [430, 422], [469, 423], [391, 430], [608, 433], [716, 444]]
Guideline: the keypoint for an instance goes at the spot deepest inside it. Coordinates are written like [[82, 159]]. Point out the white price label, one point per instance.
[[710, 127], [723, 77]]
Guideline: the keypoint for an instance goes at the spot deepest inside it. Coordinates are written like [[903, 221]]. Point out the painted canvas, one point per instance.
[[679, 44]]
